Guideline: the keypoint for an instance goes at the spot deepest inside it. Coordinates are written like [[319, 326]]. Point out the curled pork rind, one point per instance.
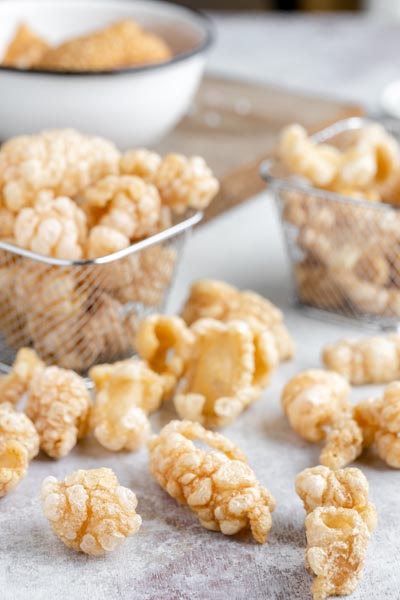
[[217, 485], [341, 488], [16, 383], [164, 343], [121, 44], [227, 368], [185, 182], [53, 227], [125, 203], [61, 160], [367, 163], [218, 300], [90, 511], [126, 392], [344, 443], [370, 360], [58, 403], [16, 426], [314, 400], [337, 542], [104, 240], [13, 464]]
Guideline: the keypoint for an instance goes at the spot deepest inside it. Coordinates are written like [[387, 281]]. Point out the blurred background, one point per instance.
[[388, 7]]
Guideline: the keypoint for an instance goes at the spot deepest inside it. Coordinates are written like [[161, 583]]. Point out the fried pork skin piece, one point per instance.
[[90, 511], [16, 426], [227, 368], [14, 463], [314, 400], [59, 404], [337, 542], [16, 383], [209, 298], [122, 44], [25, 49], [126, 392], [62, 161], [370, 360], [340, 488], [217, 485]]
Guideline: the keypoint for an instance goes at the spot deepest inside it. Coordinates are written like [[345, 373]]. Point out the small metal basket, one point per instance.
[[79, 313], [344, 252]]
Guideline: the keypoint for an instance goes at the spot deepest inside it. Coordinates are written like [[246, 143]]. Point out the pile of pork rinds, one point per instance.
[[212, 361], [349, 258], [70, 196], [121, 44]]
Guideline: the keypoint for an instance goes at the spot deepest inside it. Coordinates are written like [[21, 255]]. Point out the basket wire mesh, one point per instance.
[[80, 313], [344, 252]]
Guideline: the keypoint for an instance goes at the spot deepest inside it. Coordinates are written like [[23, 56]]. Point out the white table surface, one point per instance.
[[173, 557]]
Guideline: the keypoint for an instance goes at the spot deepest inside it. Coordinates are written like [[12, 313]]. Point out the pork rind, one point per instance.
[[16, 383], [104, 240], [125, 203], [344, 442], [217, 485], [369, 161], [63, 161], [218, 300], [228, 366], [370, 360], [164, 343], [58, 403], [314, 400], [341, 488], [126, 392], [337, 541], [121, 44], [185, 182], [141, 162], [16, 426], [25, 49], [90, 511], [53, 227], [13, 464]]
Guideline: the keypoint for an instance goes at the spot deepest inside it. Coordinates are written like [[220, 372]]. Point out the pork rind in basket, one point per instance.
[[89, 242], [337, 194]]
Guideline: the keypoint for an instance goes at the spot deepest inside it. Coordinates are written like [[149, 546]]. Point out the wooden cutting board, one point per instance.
[[234, 125]]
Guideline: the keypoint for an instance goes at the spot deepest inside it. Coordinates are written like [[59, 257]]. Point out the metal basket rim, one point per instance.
[[324, 135], [166, 234]]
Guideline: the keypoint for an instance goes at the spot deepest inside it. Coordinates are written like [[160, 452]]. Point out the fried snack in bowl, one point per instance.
[[214, 299], [58, 403], [337, 542], [227, 367], [341, 488], [141, 162], [121, 44], [125, 393], [25, 49], [373, 359], [217, 485], [90, 511], [63, 161]]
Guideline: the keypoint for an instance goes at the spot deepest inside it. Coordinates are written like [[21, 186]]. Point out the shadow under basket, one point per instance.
[[344, 252], [76, 314]]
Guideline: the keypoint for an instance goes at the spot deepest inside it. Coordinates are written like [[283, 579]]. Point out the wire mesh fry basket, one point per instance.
[[344, 252], [79, 313]]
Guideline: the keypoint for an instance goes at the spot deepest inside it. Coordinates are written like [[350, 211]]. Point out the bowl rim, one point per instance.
[[204, 20]]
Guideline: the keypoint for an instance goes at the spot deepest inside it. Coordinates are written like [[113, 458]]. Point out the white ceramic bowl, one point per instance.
[[133, 106]]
